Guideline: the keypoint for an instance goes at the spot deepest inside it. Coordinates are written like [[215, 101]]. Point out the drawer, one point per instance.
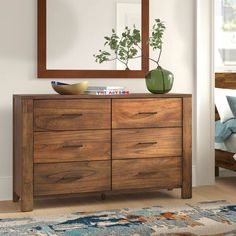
[[74, 177], [72, 146], [147, 173], [143, 143], [141, 113], [75, 114]]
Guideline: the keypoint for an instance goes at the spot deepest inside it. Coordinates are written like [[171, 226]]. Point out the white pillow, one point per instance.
[[222, 104]]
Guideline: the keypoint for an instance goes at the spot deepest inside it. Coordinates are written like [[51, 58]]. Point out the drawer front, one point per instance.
[[147, 173], [72, 146], [74, 177], [141, 113], [78, 114], [143, 143]]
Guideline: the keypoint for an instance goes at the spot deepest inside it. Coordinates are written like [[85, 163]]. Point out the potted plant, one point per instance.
[[158, 80], [126, 47]]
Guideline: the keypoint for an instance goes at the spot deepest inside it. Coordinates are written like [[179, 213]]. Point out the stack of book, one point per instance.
[[106, 90]]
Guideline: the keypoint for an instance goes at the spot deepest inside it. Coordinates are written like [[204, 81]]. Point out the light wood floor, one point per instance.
[[225, 189]]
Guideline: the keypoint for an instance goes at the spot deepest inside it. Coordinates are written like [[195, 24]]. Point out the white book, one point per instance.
[[106, 92], [91, 88]]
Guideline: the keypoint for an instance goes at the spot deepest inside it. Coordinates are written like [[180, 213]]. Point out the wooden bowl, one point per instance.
[[71, 89]]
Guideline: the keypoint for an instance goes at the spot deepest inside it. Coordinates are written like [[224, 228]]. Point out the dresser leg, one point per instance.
[[187, 149], [217, 174], [16, 198], [26, 205], [186, 192], [27, 155]]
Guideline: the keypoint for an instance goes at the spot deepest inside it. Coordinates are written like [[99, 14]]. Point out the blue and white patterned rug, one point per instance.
[[206, 218]]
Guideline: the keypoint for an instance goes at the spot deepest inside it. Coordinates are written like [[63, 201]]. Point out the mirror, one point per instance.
[[71, 33]]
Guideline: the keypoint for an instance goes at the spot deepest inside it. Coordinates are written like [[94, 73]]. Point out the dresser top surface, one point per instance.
[[85, 96]]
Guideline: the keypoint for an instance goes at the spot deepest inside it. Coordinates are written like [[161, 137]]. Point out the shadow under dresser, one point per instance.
[[88, 143]]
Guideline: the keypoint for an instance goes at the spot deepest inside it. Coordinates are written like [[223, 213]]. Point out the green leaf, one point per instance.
[[123, 43], [124, 47], [106, 53]]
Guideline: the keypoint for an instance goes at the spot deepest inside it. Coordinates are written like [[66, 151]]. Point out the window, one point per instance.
[[225, 35]]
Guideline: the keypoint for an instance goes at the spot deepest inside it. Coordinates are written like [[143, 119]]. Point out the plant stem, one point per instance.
[[116, 58], [153, 61], [127, 59], [121, 61], [148, 58], [159, 57], [139, 47]]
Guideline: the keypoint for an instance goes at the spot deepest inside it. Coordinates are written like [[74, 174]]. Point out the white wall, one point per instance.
[[18, 47], [204, 127]]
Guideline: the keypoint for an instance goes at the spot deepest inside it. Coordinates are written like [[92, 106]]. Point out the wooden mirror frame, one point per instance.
[[43, 72]]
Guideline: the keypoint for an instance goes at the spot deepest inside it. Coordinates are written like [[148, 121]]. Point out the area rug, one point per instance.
[[205, 218]]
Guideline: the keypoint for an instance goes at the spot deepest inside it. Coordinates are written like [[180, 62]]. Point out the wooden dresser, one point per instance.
[[89, 143]]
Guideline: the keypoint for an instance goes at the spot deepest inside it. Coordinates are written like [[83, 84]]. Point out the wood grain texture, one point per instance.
[[225, 80], [225, 160], [27, 156], [92, 96], [146, 173], [67, 115], [187, 148], [143, 143], [42, 36], [145, 37], [72, 146], [43, 72], [69, 140], [143, 113], [71, 177]]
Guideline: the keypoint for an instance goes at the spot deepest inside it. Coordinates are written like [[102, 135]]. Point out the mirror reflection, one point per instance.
[[76, 30]]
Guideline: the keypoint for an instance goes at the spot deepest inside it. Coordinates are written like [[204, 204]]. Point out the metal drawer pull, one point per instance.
[[147, 113], [79, 114], [148, 143], [72, 146]]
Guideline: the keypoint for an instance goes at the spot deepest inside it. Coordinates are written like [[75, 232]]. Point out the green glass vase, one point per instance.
[[159, 81]]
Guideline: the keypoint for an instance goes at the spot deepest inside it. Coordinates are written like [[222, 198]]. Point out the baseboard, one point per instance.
[[194, 177], [5, 188]]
